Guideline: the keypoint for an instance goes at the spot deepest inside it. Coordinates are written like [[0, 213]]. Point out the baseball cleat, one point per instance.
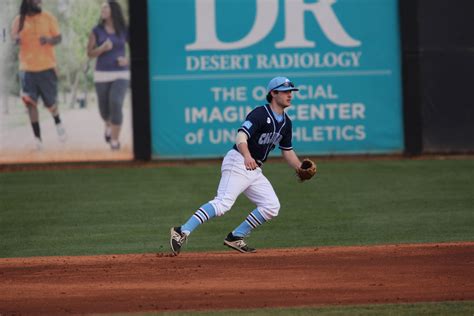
[[238, 243], [177, 239]]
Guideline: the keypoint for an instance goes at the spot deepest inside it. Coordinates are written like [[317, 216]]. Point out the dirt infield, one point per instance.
[[223, 280]]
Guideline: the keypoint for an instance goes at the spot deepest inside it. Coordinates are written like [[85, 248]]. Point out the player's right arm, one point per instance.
[[241, 142]]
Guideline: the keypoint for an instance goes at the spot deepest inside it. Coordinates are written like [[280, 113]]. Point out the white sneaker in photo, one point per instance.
[[114, 145], [38, 144], [61, 132]]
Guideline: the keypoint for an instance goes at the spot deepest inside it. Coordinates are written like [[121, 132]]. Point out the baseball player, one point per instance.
[[265, 127]]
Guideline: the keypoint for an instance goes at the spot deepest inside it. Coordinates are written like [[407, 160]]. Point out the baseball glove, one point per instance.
[[306, 171]]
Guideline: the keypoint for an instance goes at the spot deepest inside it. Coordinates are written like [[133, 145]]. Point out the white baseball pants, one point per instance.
[[236, 179]]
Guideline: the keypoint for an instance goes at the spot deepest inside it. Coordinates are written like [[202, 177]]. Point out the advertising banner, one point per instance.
[[211, 60], [56, 105]]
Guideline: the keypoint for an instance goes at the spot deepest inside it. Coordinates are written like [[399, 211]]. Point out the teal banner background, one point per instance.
[[210, 62]]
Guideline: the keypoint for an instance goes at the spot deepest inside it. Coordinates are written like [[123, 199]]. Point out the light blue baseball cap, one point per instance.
[[281, 84]]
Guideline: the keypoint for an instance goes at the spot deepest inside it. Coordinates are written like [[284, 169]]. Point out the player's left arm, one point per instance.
[[55, 35], [286, 147], [291, 158]]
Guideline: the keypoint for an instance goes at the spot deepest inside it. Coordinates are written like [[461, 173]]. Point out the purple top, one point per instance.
[[108, 60]]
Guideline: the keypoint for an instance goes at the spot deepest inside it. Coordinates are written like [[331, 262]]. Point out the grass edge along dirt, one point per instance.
[[458, 308]]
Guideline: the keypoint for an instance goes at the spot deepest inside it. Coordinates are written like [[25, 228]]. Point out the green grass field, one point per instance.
[[130, 210]]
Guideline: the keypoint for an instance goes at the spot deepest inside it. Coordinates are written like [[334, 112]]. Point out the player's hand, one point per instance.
[[250, 163], [107, 45], [122, 61]]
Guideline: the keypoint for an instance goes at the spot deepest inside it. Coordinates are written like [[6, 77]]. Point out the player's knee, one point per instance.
[[270, 210], [27, 101], [221, 206]]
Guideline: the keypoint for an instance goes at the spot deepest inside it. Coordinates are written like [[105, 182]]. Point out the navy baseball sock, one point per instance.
[[203, 214], [252, 221]]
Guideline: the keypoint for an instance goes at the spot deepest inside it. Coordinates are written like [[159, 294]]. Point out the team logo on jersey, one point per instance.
[[247, 124], [270, 138], [268, 120]]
